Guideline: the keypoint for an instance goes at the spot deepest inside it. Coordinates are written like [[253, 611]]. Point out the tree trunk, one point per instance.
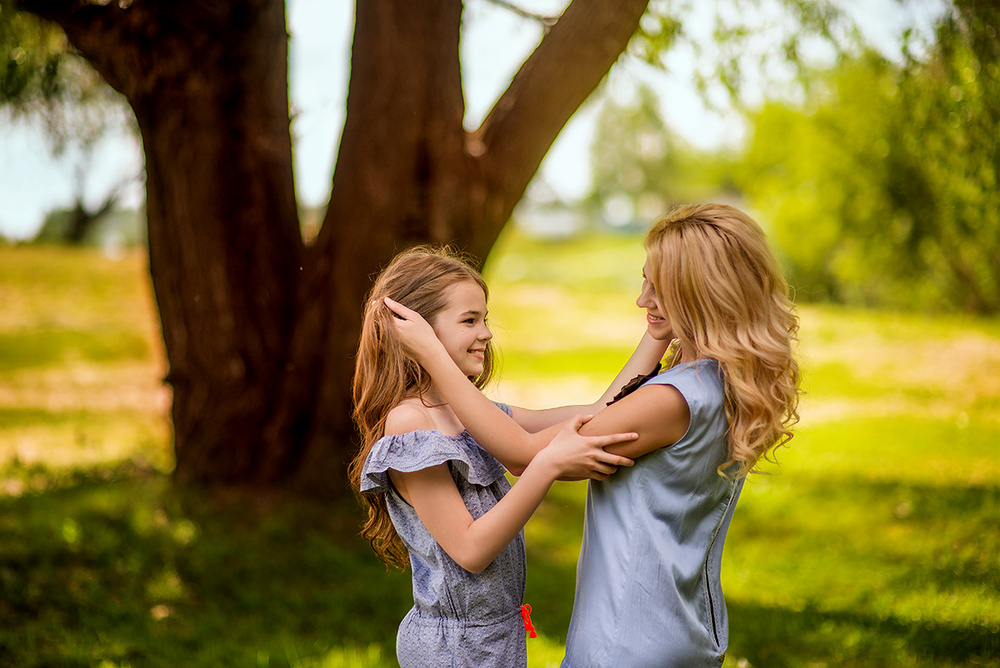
[[260, 331], [208, 85]]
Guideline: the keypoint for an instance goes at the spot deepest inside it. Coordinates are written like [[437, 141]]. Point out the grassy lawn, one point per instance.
[[874, 542]]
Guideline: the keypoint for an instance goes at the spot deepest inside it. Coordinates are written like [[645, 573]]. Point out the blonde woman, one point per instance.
[[648, 589], [435, 499]]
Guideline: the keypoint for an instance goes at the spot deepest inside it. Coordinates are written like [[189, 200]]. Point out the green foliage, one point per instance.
[[725, 39], [883, 189], [31, 52], [42, 78]]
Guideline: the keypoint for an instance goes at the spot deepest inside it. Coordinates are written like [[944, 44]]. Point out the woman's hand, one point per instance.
[[415, 333], [574, 456]]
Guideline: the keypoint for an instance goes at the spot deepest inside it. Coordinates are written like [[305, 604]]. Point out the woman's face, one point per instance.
[[656, 322], [461, 326]]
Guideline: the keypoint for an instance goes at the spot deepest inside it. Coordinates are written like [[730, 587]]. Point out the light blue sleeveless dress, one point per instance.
[[458, 619], [648, 592]]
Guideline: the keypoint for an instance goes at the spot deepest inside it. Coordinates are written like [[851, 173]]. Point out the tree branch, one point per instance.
[[545, 93], [545, 19]]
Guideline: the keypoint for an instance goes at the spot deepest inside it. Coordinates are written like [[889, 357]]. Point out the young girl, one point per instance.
[[436, 499], [648, 587]]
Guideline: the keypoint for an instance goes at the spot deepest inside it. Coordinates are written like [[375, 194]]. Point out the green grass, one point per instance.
[[874, 542]]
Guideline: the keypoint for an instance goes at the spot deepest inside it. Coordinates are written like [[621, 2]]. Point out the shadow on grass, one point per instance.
[[781, 637], [119, 569], [110, 568]]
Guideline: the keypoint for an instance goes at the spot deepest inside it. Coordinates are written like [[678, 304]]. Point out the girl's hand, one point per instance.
[[574, 456], [415, 333]]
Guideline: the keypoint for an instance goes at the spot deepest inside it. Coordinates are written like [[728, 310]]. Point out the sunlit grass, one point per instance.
[[874, 542]]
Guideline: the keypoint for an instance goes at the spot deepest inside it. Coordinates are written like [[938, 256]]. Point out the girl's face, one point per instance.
[[656, 322], [461, 326]]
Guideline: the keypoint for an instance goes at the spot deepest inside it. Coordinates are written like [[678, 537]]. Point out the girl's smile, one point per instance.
[[461, 326]]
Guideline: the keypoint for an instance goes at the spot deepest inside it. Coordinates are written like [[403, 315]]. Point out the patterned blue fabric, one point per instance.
[[458, 619], [648, 592]]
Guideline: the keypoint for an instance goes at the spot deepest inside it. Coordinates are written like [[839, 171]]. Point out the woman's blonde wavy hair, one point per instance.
[[721, 288], [385, 375]]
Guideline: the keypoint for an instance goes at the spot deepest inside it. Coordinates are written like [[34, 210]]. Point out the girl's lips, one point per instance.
[[478, 354], [653, 318]]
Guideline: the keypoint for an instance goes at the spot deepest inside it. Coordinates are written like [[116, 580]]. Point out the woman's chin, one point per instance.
[[660, 332]]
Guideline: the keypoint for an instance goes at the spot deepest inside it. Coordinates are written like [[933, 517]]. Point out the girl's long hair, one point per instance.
[[722, 290], [385, 375]]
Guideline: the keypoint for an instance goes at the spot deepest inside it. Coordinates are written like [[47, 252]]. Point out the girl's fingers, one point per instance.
[[618, 460], [399, 309], [611, 439], [609, 459], [599, 469]]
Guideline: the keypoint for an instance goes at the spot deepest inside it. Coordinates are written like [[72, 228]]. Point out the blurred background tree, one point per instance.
[[42, 79], [641, 167], [882, 188]]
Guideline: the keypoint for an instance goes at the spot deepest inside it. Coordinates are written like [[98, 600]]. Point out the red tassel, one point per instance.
[[526, 616]]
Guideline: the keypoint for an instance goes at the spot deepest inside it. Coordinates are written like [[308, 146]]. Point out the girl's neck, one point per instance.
[[433, 397], [441, 413]]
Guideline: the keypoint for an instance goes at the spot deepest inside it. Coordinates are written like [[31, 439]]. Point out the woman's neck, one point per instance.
[[687, 354]]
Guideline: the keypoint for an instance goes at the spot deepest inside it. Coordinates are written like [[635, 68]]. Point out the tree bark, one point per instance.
[[261, 331]]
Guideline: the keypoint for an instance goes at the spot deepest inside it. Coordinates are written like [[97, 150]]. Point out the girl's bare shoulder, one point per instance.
[[409, 415]]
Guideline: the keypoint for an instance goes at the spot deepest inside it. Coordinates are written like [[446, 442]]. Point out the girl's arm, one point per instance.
[[502, 437], [474, 543], [659, 414], [645, 357]]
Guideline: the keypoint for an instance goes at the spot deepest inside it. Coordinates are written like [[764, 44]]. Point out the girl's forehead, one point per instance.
[[465, 294]]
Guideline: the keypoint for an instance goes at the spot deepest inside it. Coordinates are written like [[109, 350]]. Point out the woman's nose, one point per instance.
[[644, 298]]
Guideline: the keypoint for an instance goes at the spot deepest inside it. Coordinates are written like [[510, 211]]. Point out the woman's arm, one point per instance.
[[474, 543], [644, 358]]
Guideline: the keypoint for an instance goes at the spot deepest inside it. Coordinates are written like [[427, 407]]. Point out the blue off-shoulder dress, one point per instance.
[[458, 618]]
